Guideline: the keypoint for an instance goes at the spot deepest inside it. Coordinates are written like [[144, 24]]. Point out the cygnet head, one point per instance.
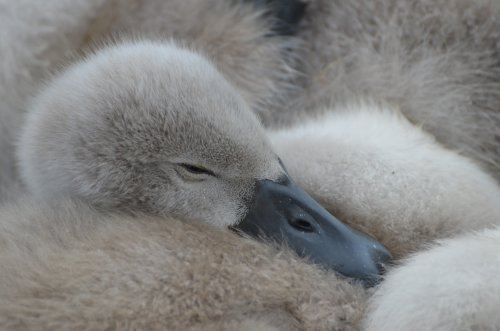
[[146, 127], [155, 128]]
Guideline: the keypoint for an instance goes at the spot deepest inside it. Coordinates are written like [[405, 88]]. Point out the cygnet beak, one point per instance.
[[283, 212]]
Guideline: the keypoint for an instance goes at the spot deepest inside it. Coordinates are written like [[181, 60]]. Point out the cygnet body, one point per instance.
[[154, 128]]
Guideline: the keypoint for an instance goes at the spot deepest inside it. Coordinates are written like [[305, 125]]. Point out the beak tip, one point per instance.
[[381, 259]]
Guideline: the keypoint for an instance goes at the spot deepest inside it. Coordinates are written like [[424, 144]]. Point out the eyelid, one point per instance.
[[197, 170]]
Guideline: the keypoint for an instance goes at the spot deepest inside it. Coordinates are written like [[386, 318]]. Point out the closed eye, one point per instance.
[[197, 170]]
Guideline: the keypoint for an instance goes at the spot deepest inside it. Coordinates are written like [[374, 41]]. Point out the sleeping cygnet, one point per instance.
[[155, 128]]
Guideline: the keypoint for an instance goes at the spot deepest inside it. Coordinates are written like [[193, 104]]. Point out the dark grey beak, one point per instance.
[[283, 212]]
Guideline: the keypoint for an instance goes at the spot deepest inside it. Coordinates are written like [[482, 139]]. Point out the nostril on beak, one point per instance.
[[301, 225]]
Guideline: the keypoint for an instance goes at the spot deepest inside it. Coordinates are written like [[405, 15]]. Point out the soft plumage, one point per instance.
[[67, 267], [453, 286], [434, 61], [370, 166]]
